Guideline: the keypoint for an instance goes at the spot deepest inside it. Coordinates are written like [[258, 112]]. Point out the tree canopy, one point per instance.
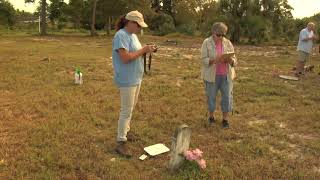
[[252, 21]]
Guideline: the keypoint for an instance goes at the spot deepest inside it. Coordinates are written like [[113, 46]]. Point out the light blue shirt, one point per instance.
[[305, 46], [130, 74]]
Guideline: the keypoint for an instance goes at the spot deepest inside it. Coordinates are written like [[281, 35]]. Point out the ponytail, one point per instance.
[[122, 22]]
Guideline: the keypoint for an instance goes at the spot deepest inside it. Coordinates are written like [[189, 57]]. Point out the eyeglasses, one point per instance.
[[220, 35]]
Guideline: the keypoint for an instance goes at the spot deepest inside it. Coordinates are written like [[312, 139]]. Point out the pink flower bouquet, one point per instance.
[[195, 155]]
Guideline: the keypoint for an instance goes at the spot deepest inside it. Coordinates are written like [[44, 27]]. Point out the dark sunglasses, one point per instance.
[[220, 35]]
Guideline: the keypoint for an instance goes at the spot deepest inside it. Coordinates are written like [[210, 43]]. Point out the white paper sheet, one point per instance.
[[156, 149]]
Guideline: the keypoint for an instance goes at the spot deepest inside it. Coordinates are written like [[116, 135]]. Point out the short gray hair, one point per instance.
[[311, 24], [219, 28]]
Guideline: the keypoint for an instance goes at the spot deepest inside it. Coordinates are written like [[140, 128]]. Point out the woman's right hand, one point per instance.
[[217, 59], [149, 48]]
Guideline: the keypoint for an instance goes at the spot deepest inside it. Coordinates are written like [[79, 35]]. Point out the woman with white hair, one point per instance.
[[218, 60], [306, 38]]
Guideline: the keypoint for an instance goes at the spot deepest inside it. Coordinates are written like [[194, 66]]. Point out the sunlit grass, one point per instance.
[[52, 129]]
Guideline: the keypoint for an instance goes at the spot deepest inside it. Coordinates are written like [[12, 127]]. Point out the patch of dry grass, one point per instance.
[[53, 129]]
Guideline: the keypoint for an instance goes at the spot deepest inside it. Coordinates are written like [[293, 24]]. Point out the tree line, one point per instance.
[[249, 21]]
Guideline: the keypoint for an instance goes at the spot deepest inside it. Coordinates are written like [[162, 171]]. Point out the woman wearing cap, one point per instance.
[[217, 71], [127, 61]]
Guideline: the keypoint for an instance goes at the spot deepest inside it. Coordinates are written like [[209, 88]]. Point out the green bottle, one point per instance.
[[78, 76]]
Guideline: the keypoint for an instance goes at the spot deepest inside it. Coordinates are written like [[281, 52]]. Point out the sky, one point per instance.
[[302, 8]]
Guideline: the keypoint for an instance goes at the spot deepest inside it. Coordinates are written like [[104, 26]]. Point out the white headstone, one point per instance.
[[180, 143]]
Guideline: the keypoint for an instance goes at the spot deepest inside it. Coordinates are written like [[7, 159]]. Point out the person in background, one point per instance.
[[306, 38], [127, 59], [218, 71]]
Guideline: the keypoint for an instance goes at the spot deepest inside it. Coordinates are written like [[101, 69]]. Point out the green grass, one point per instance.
[[53, 129]]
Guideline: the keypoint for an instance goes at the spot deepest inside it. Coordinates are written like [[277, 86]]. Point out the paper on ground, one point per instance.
[[156, 149], [289, 77], [143, 157]]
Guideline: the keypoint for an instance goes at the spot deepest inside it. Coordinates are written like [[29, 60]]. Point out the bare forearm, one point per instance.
[[131, 56], [309, 38]]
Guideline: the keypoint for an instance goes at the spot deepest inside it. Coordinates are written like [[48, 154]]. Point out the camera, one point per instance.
[[154, 46]]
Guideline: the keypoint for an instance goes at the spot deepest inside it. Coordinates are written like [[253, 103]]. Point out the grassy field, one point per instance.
[[53, 129]]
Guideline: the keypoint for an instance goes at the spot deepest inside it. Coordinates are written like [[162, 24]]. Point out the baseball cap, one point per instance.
[[137, 17]]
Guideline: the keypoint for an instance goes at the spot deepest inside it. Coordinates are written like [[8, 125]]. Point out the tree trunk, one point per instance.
[[109, 25], [77, 22], [53, 24], [93, 22], [43, 18], [235, 35]]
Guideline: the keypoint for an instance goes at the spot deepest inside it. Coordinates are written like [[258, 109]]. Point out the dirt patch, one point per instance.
[[45, 40], [7, 42], [257, 122], [301, 136], [282, 125]]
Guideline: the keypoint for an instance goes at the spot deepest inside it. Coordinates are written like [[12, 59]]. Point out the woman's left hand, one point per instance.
[[227, 60]]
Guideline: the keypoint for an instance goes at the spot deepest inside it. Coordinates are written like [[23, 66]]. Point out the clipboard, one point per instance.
[[227, 55]]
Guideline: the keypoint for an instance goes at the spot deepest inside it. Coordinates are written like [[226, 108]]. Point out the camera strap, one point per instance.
[[147, 65]]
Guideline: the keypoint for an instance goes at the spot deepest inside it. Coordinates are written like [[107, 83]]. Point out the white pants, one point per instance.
[[129, 98]]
